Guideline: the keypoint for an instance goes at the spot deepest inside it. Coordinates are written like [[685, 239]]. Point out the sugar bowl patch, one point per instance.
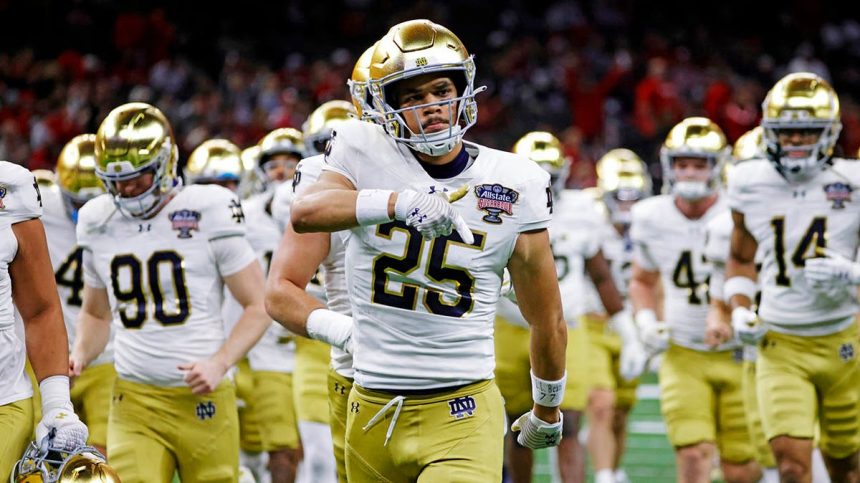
[[838, 193], [184, 221], [495, 199], [3, 191]]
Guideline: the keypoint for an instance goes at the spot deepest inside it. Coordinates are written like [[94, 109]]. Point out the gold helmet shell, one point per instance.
[[214, 161], [622, 178], [358, 89], [76, 169], [51, 465], [749, 145], [317, 129], [801, 101], [546, 150], [284, 140], [253, 178], [414, 48], [694, 137], [135, 139]]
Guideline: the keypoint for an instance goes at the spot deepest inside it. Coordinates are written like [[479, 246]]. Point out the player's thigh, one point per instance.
[[91, 396], [338, 399], [600, 353], [764, 455], [275, 410], [512, 367], [16, 427], [786, 395], [366, 456], [250, 437], [839, 408], [733, 436], [136, 444], [578, 376], [310, 380], [207, 449], [686, 398]]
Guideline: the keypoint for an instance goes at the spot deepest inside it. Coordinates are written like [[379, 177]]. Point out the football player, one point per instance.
[[76, 183], [796, 207], [279, 153], [575, 235], [424, 405], [318, 127], [291, 290], [622, 181], [156, 256], [27, 286], [700, 390]]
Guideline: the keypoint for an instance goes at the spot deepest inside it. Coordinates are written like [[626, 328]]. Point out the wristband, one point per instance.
[[548, 393], [739, 285], [371, 207], [55, 393], [330, 327]]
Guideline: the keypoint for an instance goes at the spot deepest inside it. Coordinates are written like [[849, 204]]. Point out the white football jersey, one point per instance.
[[20, 200], [332, 273], [668, 242], [67, 260], [276, 350], [424, 309], [790, 221], [163, 278], [575, 233]]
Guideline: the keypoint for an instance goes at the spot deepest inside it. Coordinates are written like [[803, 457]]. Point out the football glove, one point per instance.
[[432, 215], [653, 333], [832, 269], [746, 325], [536, 433], [633, 355]]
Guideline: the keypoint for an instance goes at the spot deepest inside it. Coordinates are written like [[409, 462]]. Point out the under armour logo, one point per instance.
[[205, 410], [415, 212], [236, 211], [60, 416], [552, 439], [353, 407], [339, 388], [846, 351], [462, 406]]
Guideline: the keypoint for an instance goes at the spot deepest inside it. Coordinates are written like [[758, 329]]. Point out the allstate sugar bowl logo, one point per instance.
[[495, 199]]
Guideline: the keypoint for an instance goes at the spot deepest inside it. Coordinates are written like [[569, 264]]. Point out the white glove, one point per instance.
[[653, 333], [748, 328], [633, 355], [432, 215], [536, 433], [834, 269], [59, 421]]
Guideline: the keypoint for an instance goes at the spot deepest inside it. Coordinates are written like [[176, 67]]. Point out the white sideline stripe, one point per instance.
[[648, 391], [647, 427]]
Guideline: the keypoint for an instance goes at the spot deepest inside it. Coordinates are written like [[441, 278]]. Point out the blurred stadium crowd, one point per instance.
[[600, 74]]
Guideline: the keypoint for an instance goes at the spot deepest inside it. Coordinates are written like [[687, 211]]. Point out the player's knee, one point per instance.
[[284, 459], [794, 458], [695, 454], [601, 406], [843, 469]]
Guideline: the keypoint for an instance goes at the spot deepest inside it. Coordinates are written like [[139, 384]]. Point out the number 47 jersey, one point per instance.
[[791, 222], [424, 309]]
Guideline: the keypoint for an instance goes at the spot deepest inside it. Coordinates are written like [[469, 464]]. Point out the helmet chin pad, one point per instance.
[[691, 190]]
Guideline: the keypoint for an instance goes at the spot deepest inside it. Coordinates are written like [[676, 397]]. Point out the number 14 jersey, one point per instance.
[[424, 309]]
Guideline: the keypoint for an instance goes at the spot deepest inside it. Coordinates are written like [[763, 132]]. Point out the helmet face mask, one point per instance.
[[695, 142], [801, 122], [359, 89], [279, 148], [418, 48], [135, 139]]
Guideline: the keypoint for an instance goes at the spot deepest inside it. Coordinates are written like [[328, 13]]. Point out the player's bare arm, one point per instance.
[[93, 329], [600, 274], [644, 289], [534, 279], [34, 292], [296, 260], [741, 262], [246, 286], [328, 205]]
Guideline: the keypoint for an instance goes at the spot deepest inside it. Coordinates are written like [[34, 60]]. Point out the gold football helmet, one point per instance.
[[546, 150], [750, 145], [135, 139], [361, 98], [253, 179], [76, 173], [622, 179], [49, 465], [317, 129], [801, 102], [414, 48], [215, 161], [694, 137], [44, 177]]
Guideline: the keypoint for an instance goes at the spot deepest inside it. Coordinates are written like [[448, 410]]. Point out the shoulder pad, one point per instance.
[[20, 199], [218, 209], [93, 216]]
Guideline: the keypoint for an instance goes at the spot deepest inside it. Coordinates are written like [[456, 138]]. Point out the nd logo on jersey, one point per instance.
[[205, 410], [462, 406]]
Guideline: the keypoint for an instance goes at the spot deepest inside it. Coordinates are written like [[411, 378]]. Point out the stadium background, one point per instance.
[[600, 74]]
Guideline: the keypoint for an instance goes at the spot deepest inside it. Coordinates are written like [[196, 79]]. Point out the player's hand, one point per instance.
[[654, 334], [203, 376], [536, 433], [831, 269], [77, 364], [717, 330], [747, 326], [633, 360], [61, 423], [432, 215]]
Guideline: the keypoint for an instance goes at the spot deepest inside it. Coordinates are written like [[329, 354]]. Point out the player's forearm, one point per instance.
[[47, 342], [248, 330], [92, 335], [738, 267], [548, 346], [601, 276], [643, 295], [325, 211], [290, 305]]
